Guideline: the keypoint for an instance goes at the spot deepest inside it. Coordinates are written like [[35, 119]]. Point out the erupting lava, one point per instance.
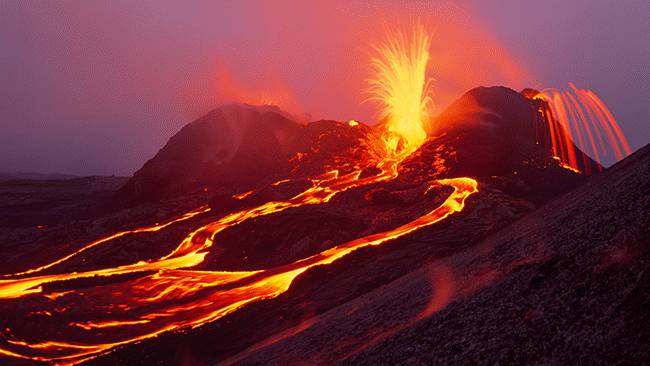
[[402, 89], [580, 116], [168, 294]]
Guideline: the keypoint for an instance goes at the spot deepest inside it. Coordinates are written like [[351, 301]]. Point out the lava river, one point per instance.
[[171, 295]]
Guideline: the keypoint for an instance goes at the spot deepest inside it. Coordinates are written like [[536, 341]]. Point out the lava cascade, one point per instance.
[[579, 116]]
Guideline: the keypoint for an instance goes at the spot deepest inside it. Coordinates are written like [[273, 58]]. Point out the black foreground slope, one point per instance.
[[566, 284]]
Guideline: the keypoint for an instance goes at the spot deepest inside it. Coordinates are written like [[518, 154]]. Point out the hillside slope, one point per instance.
[[566, 284]]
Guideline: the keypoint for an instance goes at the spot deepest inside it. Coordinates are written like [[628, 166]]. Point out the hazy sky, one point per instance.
[[97, 87]]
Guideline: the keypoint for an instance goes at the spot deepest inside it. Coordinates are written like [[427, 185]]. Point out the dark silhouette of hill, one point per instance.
[[239, 147], [487, 132]]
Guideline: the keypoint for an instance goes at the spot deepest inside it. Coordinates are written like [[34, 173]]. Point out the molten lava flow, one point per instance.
[[173, 298], [580, 116], [565, 165], [95, 243], [167, 294], [401, 87]]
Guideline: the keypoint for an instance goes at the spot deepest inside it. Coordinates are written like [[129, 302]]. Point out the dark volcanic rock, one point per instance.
[[233, 145], [240, 147], [494, 132]]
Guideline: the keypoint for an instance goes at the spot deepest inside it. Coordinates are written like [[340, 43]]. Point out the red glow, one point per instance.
[[442, 291], [230, 90]]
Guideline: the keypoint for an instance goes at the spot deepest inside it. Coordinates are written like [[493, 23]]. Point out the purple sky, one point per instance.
[[93, 87]]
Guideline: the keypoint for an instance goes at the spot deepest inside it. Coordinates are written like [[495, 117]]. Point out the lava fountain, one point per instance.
[[401, 88]]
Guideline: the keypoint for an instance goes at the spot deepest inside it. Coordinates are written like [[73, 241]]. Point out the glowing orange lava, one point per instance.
[[402, 89], [173, 298], [169, 294], [95, 243], [579, 116]]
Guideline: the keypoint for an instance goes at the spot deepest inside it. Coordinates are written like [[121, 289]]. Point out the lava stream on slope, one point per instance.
[[173, 297]]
